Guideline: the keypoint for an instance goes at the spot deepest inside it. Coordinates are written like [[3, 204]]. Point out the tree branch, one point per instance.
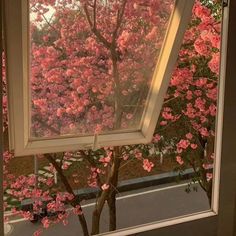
[[75, 201], [95, 30], [120, 14]]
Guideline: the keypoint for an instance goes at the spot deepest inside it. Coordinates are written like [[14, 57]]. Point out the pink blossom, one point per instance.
[[201, 11], [81, 90], [68, 110], [124, 39], [60, 111], [209, 176], [163, 123], [129, 116], [125, 157], [213, 38], [105, 187], [69, 72], [198, 93], [105, 160], [167, 115], [200, 103], [41, 103], [207, 166], [201, 47], [147, 165], [212, 94], [183, 143], [189, 95], [179, 160], [201, 82], [156, 138], [135, 6], [179, 150], [31, 180], [38, 232], [212, 109], [152, 35], [204, 132], [181, 77], [63, 218], [27, 215], [125, 92], [98, 129], [189, 136], [77, 210], [50, 182], [65, 222], [65, 166], [214, 63], [193, 145], [138, 154]]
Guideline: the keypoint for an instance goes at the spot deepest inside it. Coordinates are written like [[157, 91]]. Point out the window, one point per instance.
[[227, 170], [100, 82]]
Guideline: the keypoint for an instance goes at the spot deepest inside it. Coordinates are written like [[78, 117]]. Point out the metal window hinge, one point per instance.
[[225, 3]]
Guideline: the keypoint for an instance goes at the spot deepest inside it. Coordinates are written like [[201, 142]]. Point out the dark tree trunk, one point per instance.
[[112, 180], [112, 211], [76, 201]]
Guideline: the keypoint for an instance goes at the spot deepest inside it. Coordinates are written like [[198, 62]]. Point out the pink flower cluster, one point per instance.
[[147, 165]]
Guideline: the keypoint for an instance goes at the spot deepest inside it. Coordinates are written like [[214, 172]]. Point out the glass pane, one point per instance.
[[92, 64], [127, 186]]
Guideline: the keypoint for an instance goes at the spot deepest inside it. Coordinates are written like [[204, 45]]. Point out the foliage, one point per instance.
[[91, 68]]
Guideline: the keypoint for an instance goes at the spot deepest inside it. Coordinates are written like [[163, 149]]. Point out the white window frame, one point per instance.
[[222, 224], [17, 18]]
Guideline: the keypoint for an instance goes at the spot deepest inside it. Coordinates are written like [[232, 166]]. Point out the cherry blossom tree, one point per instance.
[[192, 96], [91, 68], [82, 55]]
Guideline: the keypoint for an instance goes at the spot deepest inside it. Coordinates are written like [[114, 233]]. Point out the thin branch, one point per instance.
[[120, 14], [94, 14], [95, 30], [46, 20], [195, 170], [91, 161], [76, 200]]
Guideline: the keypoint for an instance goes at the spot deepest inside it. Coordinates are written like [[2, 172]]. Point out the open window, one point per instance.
[[204, 224], [82, 80]]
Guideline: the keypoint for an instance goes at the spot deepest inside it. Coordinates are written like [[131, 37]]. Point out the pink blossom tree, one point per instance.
[[192, 96], [87, 61]]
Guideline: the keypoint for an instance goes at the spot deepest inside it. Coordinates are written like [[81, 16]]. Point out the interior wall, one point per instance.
[[228, 163]]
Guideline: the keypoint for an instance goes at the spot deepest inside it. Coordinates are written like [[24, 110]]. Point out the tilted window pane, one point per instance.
[[92, 65]]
